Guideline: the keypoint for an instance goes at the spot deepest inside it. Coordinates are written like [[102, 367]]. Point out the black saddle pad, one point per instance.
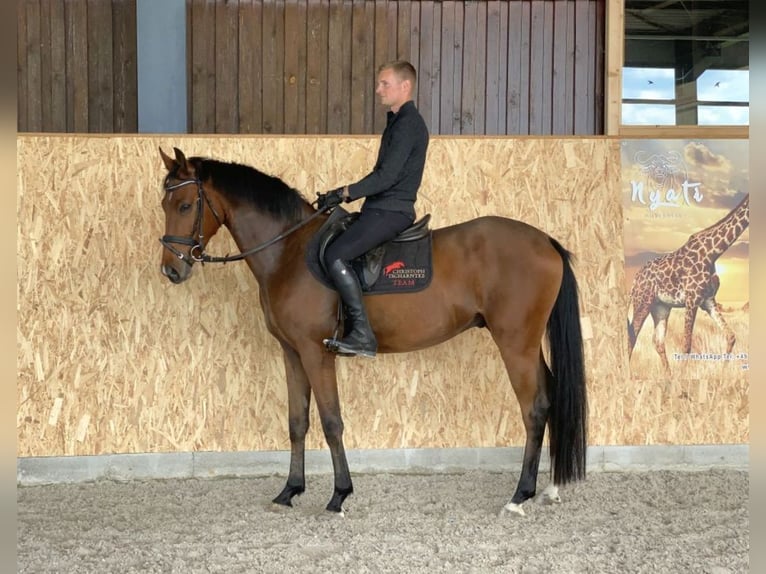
[[406, 266]]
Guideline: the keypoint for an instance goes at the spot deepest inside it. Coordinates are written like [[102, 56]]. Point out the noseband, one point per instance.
[[197, 253]]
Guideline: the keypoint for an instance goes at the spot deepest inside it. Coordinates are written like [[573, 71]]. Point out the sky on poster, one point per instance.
[[714, 174], [712, 86]]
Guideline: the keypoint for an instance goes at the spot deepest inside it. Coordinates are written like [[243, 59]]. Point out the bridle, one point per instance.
[[197, 251], [195, 240]]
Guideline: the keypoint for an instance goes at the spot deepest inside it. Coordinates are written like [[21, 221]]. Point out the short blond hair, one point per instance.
[[403, 69]]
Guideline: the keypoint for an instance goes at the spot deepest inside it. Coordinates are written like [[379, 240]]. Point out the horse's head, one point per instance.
[[191, 218]]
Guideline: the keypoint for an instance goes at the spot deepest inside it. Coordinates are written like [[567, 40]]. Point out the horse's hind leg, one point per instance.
[[529, 380], [298, 398]]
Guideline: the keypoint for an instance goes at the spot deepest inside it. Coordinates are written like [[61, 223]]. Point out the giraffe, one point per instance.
[[686, 278]]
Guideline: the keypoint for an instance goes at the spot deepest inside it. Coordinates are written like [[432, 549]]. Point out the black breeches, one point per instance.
[[373, 227]]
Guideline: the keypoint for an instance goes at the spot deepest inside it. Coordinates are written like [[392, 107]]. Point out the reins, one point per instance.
[[196, 244]]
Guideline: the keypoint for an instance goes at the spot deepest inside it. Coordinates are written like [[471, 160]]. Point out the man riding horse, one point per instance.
[[390, 191]]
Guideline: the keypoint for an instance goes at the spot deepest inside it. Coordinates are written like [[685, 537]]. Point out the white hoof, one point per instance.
[[514, 508], [550, 495]]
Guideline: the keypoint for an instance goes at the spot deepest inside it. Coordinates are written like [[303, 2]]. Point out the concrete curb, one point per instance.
[[124, 467]]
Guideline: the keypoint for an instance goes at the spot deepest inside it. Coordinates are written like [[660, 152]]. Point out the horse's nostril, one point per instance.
[[171, 273]]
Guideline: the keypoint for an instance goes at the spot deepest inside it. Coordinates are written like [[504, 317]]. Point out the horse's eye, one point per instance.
[[184, 208]]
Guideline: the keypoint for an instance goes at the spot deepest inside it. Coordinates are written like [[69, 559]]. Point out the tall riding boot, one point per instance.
[[360, 340]]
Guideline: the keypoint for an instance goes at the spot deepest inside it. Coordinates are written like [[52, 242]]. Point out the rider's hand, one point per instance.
[[330, 199]]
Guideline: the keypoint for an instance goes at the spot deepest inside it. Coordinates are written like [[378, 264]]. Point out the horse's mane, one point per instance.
[[265, 192]]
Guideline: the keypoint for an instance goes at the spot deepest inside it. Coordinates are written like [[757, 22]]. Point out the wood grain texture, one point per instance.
[[309, 66]]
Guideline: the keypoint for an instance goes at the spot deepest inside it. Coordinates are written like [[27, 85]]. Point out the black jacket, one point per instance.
[[394, 181]]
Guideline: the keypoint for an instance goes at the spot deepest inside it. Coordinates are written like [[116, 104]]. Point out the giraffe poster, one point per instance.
[[686, 212]]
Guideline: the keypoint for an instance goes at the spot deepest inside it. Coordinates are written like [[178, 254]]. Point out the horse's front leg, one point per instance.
[[298, 399], [320, 367]]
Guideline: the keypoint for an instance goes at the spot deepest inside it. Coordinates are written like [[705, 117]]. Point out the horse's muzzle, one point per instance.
[[174, 274]]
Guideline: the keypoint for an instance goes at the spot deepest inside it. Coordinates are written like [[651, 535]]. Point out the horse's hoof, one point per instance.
[[513, 508], [550, 495], [331, 515], [276, 508], [285, 498], [340, 511], [281, 502], [336, 502]]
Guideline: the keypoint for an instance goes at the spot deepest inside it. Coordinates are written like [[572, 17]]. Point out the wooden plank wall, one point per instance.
[[76, 66], [308, 66]]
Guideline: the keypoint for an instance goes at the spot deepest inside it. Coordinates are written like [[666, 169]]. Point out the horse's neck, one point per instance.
[[251, 229]]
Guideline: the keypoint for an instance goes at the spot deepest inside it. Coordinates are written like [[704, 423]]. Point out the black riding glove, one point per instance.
[[330, 199]]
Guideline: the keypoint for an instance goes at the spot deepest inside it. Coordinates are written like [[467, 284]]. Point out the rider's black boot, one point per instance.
[[360, 340]]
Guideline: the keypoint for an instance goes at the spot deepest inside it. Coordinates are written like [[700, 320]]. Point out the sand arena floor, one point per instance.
[[654, 522]]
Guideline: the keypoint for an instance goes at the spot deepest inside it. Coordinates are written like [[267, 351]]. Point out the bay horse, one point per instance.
[[490, 272]]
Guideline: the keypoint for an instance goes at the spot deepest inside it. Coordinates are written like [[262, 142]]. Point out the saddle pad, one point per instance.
[[406, 267]]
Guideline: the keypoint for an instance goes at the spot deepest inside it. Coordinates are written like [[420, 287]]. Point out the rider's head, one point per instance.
[[396, 83]]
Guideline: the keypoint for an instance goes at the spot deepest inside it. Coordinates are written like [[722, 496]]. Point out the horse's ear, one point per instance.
[[181, 160], [169, 162]]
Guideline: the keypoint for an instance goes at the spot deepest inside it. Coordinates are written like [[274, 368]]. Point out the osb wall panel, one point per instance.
[[112, 358]]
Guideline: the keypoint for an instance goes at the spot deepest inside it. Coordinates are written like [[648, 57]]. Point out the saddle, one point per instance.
[[369, 266]]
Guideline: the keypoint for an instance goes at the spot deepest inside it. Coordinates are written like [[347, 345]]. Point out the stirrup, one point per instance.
[[340, 348], [332, 346]]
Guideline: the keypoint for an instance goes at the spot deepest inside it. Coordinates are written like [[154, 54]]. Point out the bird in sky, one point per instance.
[[717, 84], [650, 82]]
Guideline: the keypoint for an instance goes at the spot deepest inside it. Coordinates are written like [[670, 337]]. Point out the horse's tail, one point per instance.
[[567, 421]]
